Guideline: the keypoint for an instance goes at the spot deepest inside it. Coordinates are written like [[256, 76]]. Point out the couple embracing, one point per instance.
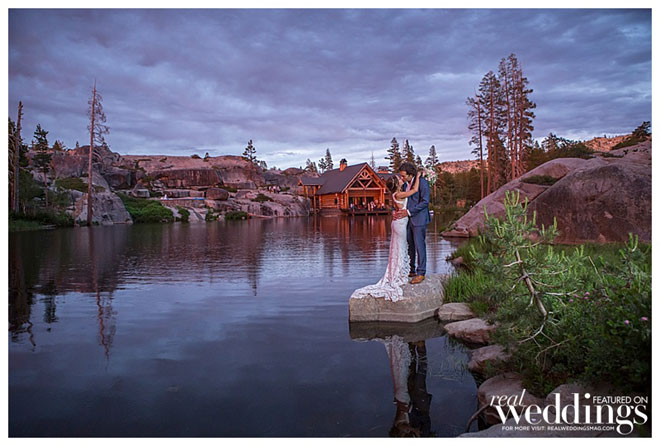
[[411, 194]]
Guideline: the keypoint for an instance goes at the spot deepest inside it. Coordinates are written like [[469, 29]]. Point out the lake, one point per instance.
[[224, 329]]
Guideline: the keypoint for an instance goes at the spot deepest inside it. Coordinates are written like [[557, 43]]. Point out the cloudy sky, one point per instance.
[[297, 82]]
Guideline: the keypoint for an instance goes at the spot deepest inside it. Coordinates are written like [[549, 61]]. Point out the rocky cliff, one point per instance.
[[600, 199], [180, 178]]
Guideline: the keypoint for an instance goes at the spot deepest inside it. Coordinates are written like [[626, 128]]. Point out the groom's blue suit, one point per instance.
[[418, 208]]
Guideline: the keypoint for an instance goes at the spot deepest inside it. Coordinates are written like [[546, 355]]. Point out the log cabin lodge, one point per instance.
[[356, 189]]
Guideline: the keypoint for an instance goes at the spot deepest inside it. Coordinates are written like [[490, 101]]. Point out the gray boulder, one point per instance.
[[420, 301], [107, 209], [452, 312]]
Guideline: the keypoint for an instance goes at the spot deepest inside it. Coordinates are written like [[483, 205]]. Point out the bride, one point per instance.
[[398, 264]]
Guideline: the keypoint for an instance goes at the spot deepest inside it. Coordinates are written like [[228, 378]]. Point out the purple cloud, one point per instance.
[[299, 81]]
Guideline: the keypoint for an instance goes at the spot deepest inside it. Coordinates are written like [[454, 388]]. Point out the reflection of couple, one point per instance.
[[408, 365], [411, 197]]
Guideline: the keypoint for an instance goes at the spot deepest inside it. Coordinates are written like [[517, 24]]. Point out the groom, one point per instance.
[[418, 211]]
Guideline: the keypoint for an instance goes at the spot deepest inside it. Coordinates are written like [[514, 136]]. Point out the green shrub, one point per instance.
[[143, 210], [261, 198], [210, 214], [185, 214], [544, 180], [44, 217], [76, 183], [195, 156], [17, 224], [236, 215]]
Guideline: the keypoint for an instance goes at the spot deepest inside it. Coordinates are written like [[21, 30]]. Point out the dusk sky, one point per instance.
[[296, 82]]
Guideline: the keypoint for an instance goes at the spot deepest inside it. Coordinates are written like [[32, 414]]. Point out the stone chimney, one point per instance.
[[342, 164]]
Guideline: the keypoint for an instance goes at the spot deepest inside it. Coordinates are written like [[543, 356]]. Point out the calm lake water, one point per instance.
[[220, 329]]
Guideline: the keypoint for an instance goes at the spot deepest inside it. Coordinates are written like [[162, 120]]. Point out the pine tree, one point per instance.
[[491, 96], [322, 165], [519, 113], [432, 160], [408, 153], [58, 146], [250, 153], [476, 125], [42, 158], [328, 160], [418, 162], [311, 166], [394, 155]]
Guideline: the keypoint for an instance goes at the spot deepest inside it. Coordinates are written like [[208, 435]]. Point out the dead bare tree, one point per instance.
[[17, 157], [97, 129]]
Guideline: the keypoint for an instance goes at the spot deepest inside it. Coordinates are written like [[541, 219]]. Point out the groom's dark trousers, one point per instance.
[[418, 207]]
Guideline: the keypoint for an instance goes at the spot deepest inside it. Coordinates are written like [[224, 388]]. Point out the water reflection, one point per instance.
[[406, 346], [211, 329]]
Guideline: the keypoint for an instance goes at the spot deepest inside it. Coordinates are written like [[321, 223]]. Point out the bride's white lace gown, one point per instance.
[[398, 265]]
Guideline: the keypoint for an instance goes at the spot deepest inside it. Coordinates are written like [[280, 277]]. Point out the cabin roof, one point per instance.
[[335, 180], [311, 181]]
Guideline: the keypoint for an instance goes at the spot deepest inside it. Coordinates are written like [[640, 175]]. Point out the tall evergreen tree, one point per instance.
[[476, 125], [394, 155], [418, 161], [491, 96], [519, 113], [432, 160], [322, 165], [328, 160], [42, 158], [250, 153], [408, 153]]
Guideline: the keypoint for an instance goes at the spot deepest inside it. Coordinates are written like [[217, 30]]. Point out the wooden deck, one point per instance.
[[366, 212]]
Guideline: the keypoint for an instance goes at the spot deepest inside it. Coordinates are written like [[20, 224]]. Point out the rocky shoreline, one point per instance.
[[463, 325]]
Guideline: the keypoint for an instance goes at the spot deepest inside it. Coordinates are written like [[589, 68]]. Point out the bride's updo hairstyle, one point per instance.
[[393, 184]]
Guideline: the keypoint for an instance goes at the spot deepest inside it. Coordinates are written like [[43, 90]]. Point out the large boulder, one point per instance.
[[470, 223], [215, 193], [596, 200], [420, 302], [119, 178], [602, 202], [107, 209], [472, 331]]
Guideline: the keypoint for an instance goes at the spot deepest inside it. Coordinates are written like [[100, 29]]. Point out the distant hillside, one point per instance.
[[459, 166], [605, 143]]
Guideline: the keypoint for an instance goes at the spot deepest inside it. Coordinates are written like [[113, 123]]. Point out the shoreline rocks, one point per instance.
[[473, 331], [481, 356]]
